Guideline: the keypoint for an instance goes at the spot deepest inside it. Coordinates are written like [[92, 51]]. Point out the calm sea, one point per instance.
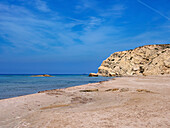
[[18, 85]]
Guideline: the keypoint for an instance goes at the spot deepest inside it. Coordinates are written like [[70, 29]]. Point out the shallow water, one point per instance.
[[18, 85]]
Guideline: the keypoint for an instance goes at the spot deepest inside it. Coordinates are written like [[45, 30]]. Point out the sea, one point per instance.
[[13, 85]]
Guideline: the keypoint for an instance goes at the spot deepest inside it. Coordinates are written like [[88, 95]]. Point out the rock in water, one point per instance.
[[44, 75], [93, 75], [145, 60]]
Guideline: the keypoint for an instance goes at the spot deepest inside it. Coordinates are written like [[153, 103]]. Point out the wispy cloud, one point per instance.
[[89, 23], [153, 9], [8, 11], [42, 5], [85, 4], [115, 11], [93, 22], [25, 30]]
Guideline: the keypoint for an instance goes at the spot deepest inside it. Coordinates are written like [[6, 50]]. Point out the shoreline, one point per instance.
[[118, 102], [77, 86], [49, 89], [110, 78]]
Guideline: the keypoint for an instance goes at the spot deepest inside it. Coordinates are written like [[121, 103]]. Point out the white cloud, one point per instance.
[[26, 31], [85, 4], [42, 6], [7, 10], [115, 11], [92, 23]]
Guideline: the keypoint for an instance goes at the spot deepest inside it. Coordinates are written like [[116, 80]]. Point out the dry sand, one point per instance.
[[124, 102]]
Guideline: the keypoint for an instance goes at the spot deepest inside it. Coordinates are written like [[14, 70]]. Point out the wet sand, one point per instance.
[[124, 102]]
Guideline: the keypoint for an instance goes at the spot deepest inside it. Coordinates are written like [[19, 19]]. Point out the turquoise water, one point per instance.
[[18, 85]]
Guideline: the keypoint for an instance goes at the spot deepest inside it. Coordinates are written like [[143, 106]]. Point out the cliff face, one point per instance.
[[145, 60]]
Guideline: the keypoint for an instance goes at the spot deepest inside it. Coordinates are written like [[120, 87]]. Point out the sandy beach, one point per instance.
[[122, 102]]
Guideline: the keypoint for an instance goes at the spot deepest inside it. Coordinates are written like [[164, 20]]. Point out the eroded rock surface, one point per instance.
[[145, 60]]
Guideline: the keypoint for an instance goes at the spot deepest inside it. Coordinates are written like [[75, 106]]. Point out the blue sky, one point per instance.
[[75, 36]]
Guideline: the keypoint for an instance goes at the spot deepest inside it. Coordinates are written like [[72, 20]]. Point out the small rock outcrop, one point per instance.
[[44, 75], [145, 60], [93, 75]]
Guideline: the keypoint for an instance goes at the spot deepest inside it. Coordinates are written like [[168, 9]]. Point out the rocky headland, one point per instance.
[[145, 60]]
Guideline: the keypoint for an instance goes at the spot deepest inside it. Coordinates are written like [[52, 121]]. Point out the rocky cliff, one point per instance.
[[145, 60]]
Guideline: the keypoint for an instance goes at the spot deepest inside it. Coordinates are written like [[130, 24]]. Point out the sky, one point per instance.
[[75, 36]]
